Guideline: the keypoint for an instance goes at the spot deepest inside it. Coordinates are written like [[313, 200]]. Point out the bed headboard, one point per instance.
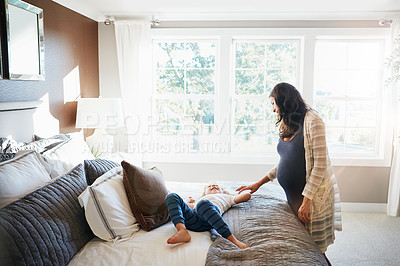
[[21, 120]]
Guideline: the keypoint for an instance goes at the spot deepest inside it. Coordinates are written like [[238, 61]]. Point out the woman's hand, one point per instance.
[[304, 210], [253, 188]]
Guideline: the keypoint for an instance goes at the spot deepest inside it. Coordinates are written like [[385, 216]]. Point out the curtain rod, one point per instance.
[[154, 22]]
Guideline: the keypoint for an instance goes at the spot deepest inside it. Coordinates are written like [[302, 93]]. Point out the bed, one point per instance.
[[52, 224]]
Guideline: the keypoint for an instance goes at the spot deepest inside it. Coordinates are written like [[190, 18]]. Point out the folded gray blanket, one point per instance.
[[271, 229]]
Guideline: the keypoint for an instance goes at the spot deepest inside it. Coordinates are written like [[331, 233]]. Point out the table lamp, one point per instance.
[[100, 114]]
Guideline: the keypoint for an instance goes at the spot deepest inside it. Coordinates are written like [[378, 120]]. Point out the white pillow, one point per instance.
[[21, 175], [67, 155], [107, 207]]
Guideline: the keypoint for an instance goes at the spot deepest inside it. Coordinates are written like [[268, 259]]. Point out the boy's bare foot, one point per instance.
[[233, 239], [182, 236], [241, 245]]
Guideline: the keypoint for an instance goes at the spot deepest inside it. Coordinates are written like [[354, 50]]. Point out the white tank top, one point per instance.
[[222, 201]]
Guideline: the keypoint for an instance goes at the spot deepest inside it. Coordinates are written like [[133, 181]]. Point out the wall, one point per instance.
[[71, 53], [356, 184]]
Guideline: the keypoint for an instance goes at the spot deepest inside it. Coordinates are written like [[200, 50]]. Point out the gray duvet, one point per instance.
[[268, 225]]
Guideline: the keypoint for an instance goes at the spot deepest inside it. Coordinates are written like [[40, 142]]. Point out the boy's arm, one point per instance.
[[242, 197]]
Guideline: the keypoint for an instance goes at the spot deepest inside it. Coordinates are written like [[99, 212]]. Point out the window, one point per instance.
[[259, 66], [185, 91], [348, 84]]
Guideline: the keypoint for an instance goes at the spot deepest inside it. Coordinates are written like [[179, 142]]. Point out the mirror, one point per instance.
[[3, 39], [25, 40], [1, 63]]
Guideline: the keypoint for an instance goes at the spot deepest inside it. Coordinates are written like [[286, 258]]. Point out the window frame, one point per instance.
[[224, 93]]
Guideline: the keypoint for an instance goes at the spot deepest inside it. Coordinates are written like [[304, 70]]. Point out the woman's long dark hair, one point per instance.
[[292, 109]]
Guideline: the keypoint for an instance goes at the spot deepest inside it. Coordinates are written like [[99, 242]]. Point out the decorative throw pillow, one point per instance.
[[146, 192], [41, 146], [67, 155], [6, 156], [62, 137], [96, 168], [21, 175], [9, 145], [107, 208], [46, 227]]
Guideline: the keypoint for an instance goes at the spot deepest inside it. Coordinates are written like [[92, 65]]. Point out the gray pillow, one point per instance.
[[96, 168], [46, 227]]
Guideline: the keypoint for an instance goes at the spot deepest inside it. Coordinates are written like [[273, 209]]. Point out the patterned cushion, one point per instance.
[[96, 168], [46, 227], [8, 145], [42, 145], [6, 156], [62, 137]]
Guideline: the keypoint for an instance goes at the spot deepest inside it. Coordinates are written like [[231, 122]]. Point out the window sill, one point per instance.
[[252, 159], [211, 158], [358, 161]]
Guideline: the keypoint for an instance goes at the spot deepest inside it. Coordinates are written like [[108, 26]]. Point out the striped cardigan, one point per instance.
[[321, 187]]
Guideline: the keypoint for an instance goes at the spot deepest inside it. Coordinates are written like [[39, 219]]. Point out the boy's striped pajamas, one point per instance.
[[203, 217]]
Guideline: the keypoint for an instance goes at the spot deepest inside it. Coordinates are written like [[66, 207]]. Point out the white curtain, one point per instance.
[[393, 208], [134, 65]]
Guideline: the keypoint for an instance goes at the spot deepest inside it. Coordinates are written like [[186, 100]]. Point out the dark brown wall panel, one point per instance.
[[71, 40]]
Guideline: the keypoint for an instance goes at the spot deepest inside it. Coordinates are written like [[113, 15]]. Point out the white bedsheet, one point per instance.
[[150, 248]]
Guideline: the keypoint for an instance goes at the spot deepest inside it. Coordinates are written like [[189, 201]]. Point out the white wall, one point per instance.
[[357, 184]]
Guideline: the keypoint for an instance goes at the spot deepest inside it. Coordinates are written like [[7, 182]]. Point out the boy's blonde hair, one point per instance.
[[223, 189]]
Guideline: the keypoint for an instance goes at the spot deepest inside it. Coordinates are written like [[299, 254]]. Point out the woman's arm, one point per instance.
[[264, 180], [243, 197], [272, 173]]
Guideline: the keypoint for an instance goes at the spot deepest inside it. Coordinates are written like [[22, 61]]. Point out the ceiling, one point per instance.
[[236, 9]]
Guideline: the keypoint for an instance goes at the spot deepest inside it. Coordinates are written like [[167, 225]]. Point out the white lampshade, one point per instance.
[[99, 113]]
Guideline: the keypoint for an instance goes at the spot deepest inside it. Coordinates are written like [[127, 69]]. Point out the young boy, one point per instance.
[[207, 214]]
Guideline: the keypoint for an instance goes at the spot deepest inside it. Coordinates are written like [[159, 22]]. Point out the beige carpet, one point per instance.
[[367, 239]]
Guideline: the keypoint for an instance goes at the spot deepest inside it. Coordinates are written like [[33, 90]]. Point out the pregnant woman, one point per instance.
[[304, 169]]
